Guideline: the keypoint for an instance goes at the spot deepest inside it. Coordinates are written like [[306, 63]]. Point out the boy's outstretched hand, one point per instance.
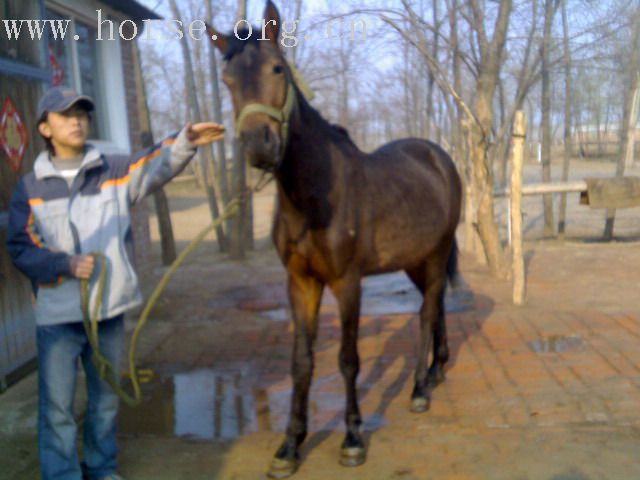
[[204, 132]]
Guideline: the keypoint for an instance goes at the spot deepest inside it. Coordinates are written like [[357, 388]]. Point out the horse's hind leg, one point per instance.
[[347, 291], [305, 294], [440, 348], [432, 278]]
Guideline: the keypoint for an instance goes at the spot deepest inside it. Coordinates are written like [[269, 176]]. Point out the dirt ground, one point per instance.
[[549, 390]]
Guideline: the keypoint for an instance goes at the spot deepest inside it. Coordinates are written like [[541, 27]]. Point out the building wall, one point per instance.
[[17, 321], [141, 212]]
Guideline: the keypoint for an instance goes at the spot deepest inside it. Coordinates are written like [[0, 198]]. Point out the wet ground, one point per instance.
[[550, 390], [211, 403]]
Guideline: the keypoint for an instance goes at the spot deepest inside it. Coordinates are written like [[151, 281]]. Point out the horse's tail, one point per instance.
[[452, 265]]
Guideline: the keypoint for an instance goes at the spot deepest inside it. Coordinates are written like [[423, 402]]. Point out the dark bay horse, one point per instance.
[[342, 214]]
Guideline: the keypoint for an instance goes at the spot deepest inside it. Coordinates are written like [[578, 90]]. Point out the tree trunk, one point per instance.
[[458, 140], [491, 61], [628, 123], [220, 147], [568, 102], [546, 117], [167, 242], [237, 234], [203, 158], [431, 79], [631, 128], [483, 177]]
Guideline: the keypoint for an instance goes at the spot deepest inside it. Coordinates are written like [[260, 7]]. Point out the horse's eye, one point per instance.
[[278, 69]]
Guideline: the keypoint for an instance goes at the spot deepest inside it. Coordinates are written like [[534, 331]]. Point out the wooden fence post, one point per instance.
[[517, 155]]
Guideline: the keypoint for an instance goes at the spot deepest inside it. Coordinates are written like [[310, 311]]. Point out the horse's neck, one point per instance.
[[310, 170]]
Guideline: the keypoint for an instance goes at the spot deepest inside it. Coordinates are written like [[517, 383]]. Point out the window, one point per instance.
[[60, 56], [78, 64], [23, 49]]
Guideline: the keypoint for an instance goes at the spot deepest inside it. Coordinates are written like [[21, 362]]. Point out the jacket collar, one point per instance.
[[43, 167]]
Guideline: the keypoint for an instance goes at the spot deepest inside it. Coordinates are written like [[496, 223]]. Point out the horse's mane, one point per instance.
[[341, 130]]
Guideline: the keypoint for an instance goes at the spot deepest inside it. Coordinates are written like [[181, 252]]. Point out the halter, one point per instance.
[[280, 115]]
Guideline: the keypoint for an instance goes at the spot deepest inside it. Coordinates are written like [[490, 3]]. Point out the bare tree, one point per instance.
[[629, 117], [204, 154], [241, 222], [223, 181], [489, 60], [568, 102], [167, 242], [549, 12]]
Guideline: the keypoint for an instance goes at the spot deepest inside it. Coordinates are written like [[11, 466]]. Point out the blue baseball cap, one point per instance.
[[59, 99]]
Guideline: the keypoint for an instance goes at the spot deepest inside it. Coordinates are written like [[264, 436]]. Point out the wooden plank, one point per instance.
[[540, 188]]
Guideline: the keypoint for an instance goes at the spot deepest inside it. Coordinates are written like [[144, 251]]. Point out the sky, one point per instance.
[[384, 56]]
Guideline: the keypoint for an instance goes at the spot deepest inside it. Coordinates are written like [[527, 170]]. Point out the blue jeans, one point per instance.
[[59, 348]]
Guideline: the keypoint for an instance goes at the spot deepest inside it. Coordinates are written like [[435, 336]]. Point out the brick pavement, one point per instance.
[[505, 410]]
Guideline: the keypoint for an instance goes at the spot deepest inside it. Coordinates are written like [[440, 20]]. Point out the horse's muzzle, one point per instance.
[[261, 148]]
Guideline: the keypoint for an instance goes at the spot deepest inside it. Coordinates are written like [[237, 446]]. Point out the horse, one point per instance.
[[341, 215]]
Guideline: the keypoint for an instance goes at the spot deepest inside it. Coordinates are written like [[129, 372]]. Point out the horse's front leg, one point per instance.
[[347, 291], [305, 293]]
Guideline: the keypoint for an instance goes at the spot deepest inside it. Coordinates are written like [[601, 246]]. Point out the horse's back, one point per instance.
[[412, 196], [409, 153], [416, 167]]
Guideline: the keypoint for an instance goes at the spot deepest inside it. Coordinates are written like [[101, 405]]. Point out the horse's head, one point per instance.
[[261, 86]]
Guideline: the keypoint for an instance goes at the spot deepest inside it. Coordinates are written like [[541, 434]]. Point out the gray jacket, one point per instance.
[[49, 222]]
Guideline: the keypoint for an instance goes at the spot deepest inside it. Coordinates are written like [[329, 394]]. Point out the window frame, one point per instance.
[[16, 67]]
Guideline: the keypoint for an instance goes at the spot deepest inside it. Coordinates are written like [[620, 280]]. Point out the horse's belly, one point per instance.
[[399, 244]]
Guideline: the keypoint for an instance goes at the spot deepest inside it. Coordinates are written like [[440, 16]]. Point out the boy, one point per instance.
[[75, 202]]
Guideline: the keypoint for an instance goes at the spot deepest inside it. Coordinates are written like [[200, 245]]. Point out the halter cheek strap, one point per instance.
[[280, 115]]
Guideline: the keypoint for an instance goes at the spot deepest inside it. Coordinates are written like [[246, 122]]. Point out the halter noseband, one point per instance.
[[280, 115]]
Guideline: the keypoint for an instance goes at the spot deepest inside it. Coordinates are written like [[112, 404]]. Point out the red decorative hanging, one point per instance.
[[57, 73], [13, 134]]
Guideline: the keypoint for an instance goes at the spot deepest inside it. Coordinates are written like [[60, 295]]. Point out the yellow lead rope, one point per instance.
[[90, 321]]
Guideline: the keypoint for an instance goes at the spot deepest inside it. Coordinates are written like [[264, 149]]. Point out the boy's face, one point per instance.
[[67, 130]]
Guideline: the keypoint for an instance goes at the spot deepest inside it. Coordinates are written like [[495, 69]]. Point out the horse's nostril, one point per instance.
[[267, 136]]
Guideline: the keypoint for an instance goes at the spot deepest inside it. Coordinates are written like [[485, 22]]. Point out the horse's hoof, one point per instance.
[[420, 404], [282, 468], [352, 456]]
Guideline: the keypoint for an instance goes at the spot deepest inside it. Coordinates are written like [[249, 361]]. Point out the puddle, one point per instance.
[[394, 293], [278, 314], [209, 405], [556, 344], [386, 294]]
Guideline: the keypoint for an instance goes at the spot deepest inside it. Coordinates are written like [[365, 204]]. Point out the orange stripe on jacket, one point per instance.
[[35, 201], [52, 284], [31, 231], [115, 182]]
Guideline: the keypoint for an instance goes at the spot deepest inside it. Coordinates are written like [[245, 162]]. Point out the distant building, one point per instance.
[[599, 140]]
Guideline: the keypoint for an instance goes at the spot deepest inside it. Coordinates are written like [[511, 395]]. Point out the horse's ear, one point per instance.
[[272, 22], [220, 40]]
